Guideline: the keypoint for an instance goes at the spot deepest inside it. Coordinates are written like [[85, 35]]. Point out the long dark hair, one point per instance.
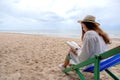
[[95, 27]]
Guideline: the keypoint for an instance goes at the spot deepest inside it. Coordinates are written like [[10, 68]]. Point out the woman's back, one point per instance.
[[93, 44]]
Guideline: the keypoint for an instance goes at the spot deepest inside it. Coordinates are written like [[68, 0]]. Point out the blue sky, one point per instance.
[[57, 14]]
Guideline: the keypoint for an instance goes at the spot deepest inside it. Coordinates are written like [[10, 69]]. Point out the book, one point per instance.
[[73, 45]]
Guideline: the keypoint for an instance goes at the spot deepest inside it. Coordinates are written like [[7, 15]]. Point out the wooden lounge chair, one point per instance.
[[100, 63]]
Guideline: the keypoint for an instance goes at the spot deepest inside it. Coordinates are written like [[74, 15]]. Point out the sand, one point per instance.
[[36, 57]]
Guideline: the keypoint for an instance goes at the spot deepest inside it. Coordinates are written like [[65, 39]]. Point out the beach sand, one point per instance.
[[36, 57]]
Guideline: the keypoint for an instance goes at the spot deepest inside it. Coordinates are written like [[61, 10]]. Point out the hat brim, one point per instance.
[[80, 21]]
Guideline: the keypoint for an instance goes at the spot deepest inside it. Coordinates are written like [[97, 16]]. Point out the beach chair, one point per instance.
[[99, 63]]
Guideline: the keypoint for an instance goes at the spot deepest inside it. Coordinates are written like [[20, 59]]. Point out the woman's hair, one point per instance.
[[95, 27]]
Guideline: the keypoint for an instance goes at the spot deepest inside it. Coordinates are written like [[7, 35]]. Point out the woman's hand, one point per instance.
[[72, 50]]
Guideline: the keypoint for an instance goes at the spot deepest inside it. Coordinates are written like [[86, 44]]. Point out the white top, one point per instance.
[[93, 44]]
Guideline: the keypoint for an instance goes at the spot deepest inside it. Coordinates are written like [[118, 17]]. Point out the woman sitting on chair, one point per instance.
[[94, 42]]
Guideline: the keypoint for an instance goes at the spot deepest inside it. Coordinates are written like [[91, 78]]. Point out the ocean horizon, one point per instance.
[[62, 33]]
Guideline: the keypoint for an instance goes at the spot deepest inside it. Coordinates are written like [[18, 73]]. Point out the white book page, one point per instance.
[[73, 45]]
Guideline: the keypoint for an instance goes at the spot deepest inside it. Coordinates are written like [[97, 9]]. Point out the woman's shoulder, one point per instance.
[[91, 35], [91, 32]]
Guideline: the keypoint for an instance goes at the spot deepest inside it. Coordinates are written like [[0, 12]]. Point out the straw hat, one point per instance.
[[89, 18]]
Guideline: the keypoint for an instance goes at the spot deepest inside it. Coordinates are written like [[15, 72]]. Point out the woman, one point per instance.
[[94, 42]]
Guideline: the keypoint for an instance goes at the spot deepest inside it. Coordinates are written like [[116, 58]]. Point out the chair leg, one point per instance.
[[81, 76], [97, 69], [112, 75]]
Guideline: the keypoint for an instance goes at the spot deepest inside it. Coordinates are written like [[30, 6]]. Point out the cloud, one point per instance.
[[57, 13], [49, 17]]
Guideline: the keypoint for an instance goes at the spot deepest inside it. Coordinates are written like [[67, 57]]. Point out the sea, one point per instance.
[[61, 33]]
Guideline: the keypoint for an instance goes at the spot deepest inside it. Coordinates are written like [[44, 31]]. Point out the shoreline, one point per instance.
[[36, 57], [47, 35]]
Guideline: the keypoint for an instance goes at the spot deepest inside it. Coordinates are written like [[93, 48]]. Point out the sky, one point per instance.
[[57, 14]]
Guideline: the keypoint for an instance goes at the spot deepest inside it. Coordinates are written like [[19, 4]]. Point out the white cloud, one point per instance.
[[61, 12], [34, 5]]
